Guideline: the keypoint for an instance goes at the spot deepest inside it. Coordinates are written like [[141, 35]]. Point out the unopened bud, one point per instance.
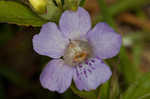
[[39, 6], [59, 3], [72, 4]]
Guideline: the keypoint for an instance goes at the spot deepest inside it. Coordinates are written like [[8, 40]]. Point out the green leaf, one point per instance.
[[129, 70], [69, 95], [137, 50], [105, 13], [2, 91], [123, 5], [14, 77], [17, 13], [139, 90], [6, 33], [104, 91], [53, 12], [82, 2], [84, 94]]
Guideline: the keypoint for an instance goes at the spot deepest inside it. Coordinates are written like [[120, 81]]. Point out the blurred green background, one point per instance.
[[20, 66]]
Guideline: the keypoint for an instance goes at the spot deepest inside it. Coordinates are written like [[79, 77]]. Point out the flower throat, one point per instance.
[[77, 52]]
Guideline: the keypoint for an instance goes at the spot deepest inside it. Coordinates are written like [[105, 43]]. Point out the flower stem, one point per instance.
[[114, 86]]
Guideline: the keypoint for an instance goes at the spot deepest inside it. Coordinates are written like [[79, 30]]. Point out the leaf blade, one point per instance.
[[139, 90], [17, 13]]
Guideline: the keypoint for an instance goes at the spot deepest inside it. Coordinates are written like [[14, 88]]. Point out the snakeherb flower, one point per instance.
[[77, 51]]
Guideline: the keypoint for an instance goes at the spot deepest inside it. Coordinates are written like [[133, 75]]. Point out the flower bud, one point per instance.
[[72, 4], [39, 5], [59, 3]]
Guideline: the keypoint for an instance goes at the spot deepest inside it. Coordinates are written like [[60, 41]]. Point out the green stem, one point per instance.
[[114, 86]]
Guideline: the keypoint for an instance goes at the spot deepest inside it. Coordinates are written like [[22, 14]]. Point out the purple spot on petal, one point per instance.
[[92, 67], [92, 61], [79, 77], [85, 73], [89, 64], [80, 66], [77, 72], [86, 62], [89, 70]]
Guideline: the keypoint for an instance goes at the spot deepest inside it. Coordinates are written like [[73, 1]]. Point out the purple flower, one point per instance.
[[81, 48]]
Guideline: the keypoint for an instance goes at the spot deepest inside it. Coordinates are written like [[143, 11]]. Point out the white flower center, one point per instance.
[[77, 52]]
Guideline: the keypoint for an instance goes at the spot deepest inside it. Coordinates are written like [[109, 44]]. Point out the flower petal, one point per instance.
[[91, 74], [75, 24], [56, 76], [49, 41], [105, 42]]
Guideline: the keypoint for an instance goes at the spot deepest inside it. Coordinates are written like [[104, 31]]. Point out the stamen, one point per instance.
[[80, 57], [77, 52]]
